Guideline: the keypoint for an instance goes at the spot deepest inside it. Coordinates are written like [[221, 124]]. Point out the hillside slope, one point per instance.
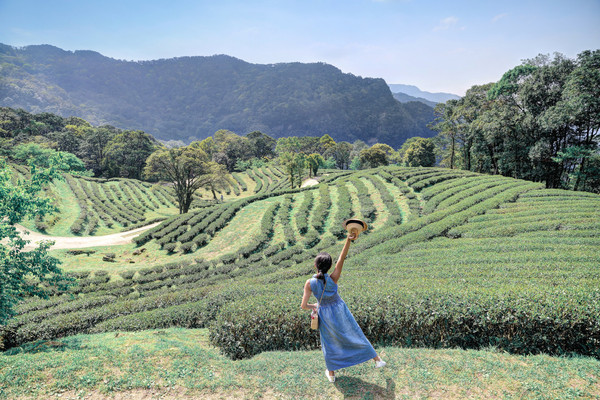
[[452, 259], [191, 98]]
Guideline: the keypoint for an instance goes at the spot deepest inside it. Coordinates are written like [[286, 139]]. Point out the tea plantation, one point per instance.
[[452, 259], [92, 206]]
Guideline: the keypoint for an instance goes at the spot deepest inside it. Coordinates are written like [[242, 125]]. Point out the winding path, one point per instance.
[[77, 242], [310, 182]]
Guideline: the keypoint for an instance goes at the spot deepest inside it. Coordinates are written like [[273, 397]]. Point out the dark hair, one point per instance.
[[323, 263]]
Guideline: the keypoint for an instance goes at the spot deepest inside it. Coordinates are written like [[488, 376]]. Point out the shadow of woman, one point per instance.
[[355, 388]]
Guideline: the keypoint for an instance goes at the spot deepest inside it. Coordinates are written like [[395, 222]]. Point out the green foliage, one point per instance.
[[372, 157], [539, 122], [420, 153], [24, 273], [293, 164], [185, 167], [126, 153], [41, 156]]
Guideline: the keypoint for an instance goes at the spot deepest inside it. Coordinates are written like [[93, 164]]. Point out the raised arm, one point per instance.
[[335, 275]]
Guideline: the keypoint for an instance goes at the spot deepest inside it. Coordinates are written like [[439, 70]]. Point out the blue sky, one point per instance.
[[436, 45]]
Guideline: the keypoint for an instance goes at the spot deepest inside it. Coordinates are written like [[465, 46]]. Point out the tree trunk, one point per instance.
[[452, 152], [581, 171], [186, 204]]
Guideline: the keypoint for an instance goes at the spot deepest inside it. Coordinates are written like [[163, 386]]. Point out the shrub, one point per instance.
[[186, 247], [127, 274], [170, 247]]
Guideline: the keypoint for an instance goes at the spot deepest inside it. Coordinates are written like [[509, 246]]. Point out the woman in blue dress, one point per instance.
[[343, 342]]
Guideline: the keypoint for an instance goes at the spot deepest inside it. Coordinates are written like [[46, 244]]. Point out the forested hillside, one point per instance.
[[190, 98]]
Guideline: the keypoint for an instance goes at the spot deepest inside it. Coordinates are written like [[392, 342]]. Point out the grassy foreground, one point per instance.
[[180, 363]]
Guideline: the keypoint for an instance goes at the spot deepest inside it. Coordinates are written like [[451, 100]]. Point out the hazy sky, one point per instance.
[[436, 45]]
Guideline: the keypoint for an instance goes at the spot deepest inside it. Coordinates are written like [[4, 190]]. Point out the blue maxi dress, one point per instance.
[[343, 342]]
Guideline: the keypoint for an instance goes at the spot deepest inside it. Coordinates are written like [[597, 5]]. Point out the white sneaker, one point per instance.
[[380, 364], [331, 378]]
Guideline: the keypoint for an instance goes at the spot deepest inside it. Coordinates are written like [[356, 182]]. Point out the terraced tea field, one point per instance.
[[452, 259], [90, 206]]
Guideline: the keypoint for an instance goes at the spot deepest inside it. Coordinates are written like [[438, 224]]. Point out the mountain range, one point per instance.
[[190, 98], [420, 95]]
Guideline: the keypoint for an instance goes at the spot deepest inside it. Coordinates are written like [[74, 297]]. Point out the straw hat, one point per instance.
[[355, 224]]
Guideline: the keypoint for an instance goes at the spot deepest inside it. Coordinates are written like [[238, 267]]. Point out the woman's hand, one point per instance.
[[352, 236]]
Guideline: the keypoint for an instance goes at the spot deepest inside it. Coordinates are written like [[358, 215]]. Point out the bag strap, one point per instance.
[[322, 293]]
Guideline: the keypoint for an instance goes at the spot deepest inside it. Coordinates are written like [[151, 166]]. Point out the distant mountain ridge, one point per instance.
[[190, 98], [405, 98], [414, 91]]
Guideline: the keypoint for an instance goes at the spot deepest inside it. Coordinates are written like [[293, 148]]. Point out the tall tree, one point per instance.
[[314, 162], [293, 164], [420, 153], [93, 147], [185, 167], [126, 153], [217, 178], [374, 157], [341, 154], [263, 146], [326, 143]]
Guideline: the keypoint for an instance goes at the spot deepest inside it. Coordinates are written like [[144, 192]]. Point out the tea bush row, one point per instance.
[[414, 205], [120, 213], [256, 179], [260, 241], [459, 195], [512, 228], [82, 321], [367, 208], [145, 190], [143, 200], [104, 209], [523, 324], [163, 195], [393, 209], [321, 211], [439, 222], [264, 180], [197, 314], [449, 188], [78, 225], [240, 181], [344, 211], [418, 183], [285, 219], [303, 212]]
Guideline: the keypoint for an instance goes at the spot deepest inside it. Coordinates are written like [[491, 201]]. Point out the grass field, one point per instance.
[[180, 363]]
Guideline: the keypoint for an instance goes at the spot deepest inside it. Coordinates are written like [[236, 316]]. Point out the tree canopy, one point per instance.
[[539, 122], [186, 168], [25, 273]]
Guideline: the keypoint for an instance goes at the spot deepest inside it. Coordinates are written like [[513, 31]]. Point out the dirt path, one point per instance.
[[310, 182], [77, 242]]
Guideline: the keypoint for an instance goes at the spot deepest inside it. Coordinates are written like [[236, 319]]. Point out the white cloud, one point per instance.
[[499, 17], [446, 24]]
